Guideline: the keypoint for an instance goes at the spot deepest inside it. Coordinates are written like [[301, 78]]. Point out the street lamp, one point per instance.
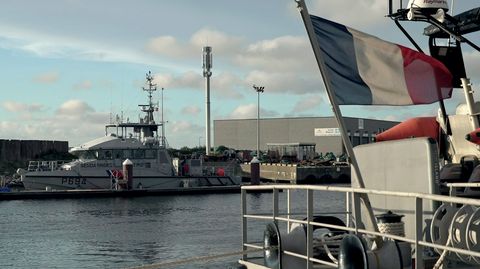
[[258, 89]]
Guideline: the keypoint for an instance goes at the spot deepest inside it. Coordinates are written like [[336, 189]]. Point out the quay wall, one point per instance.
[[24, 150]]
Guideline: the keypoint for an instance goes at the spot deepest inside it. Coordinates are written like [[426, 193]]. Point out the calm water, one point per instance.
[[127, 232]]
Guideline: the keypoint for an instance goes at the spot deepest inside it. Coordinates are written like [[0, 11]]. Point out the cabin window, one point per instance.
[[150, 153], [127, 153], [85, 154], [104, 154], [117, 154], [139, 153]]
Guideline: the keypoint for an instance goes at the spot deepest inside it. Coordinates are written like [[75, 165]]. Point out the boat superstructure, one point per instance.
[[99, 163], [420, 185]]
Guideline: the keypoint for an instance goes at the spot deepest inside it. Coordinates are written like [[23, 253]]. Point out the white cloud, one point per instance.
[[185, 127], [165, 45], [47, 78], [308, 103], [191, 110], [46, 45], [285, 53], [221, 42], [73, 108], [359, 13], [189, 79], [278, 82], [223, 85], [83, 85], [250, 111], [13, 106]]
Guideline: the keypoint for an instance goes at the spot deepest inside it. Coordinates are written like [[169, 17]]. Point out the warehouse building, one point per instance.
[[241, 134]]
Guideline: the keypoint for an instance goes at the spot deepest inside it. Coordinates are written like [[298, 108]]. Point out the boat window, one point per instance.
[[127, 153], [108, 154], [150, 153], [139, 153], [85, 154], [118, 154]]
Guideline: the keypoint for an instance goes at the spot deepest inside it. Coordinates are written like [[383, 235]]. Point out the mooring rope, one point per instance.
[[194, 259]]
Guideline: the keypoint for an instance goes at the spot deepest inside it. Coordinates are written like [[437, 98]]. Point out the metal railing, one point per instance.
[[45, 165], [418, 242]]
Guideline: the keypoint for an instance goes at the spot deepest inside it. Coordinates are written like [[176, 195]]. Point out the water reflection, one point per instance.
[[120, 232]]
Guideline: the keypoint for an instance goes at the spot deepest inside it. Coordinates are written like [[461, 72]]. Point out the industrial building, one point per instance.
[[241, 134]]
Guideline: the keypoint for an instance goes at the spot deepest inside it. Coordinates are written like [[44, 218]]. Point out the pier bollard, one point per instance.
[[254, 171], [128, 173]]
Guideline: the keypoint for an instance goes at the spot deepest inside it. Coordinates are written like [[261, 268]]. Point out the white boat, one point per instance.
[[99, 163], [433, 184]]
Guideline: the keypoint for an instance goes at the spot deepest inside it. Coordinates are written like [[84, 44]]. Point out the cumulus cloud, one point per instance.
[[169, 46], [359, 13], [185, 127], [308, 103], [165, 45], [191, 110], [282, 64], [13, 106], [278, 82], [83, 85], [222, 42], [74, 107], [250, 111], [74, 121], [189, 79], [285, 53], [47, 78], [223, 85]]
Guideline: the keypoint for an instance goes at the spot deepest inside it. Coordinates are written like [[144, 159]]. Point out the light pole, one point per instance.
[[258, 89], [199, 142]]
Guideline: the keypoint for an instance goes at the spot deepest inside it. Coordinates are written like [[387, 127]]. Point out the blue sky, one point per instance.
[[68, 66]]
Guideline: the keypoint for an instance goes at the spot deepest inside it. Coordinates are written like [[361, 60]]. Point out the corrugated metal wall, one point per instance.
[[242, 134]]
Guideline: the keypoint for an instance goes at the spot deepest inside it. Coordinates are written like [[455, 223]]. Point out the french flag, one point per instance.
[[365, 70]]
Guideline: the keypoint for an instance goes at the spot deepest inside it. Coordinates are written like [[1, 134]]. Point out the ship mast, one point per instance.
[[150, 108], [148, 131]]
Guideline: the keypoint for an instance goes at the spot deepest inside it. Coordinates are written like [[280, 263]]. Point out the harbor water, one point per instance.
[[129, 232]]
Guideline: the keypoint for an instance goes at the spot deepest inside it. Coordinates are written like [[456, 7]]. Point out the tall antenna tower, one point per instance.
[[207, 73]]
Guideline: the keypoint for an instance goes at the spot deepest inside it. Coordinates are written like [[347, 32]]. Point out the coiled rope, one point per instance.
[[397, 228], [194, 260]]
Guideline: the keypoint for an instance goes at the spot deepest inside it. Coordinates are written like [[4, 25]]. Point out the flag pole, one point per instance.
[[336, 110]]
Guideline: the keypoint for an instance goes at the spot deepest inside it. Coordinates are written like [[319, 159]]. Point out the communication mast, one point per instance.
[[207, 73]]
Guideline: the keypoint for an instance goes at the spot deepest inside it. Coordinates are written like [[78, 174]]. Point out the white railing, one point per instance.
[[418, 242], [45, 165]]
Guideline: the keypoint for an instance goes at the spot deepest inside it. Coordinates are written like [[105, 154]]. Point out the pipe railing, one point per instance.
[[418, 242]]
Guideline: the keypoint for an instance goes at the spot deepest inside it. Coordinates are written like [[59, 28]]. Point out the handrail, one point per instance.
[[45, 165], [418, 241]]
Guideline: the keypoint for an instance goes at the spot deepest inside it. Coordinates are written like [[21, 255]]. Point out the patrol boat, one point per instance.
[[99, 163]]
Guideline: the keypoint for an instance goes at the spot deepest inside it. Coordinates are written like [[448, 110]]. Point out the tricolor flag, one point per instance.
[[365, 70]]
